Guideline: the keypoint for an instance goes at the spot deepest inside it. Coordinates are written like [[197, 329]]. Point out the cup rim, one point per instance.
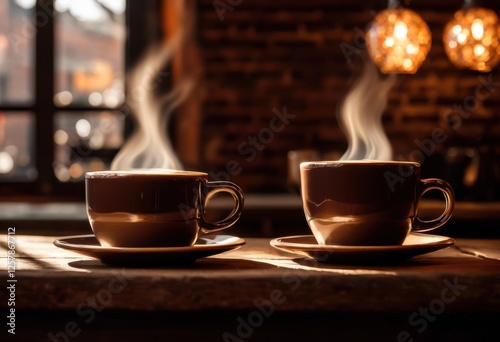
[[145, 172], [337, 163]]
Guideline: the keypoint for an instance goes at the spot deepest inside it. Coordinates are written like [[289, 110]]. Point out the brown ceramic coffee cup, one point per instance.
[[154, 208], [367, 203]]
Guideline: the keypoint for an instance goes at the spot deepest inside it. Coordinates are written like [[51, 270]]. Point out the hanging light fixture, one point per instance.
[[471, 38], [398, 40]]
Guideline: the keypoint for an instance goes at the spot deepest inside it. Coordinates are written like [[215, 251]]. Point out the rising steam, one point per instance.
[[149, 146], [361, 115]]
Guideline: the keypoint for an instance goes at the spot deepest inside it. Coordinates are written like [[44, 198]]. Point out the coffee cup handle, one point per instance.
[[435, 184], [214, 188]]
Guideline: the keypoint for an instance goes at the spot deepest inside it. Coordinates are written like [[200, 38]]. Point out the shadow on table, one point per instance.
[[200, 264]]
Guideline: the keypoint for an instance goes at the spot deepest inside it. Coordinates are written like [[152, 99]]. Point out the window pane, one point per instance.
[[86, 142], [17, 155], [90, 52], [17, 42]]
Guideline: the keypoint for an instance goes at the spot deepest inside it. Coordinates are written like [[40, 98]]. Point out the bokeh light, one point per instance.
[[471, 39], [6, 162], [398, 41]]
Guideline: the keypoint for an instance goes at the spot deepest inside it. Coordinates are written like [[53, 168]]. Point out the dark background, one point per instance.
[[266, 55]]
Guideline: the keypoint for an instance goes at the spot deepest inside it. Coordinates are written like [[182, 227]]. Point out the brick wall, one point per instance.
[[262, 56]]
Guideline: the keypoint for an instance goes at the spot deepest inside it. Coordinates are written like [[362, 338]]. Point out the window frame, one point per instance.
[[138, 21]]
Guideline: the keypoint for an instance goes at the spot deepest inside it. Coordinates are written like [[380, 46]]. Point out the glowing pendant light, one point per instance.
[[471, 38], [398, 40]]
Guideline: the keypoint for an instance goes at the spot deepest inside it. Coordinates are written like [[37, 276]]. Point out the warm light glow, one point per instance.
[[471, 39], [477, 29], [112, 97], [98, 76], [76, 170], [398, 41], [410, 49], [63, 98], [95, 99], [6, 162], [389, 42], [96, 165], [83, 128], [457, 29], [407, 63], [61, 137], [479, 50], [400, 30]]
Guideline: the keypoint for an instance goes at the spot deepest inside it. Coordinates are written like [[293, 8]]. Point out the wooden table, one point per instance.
[[253, 293]]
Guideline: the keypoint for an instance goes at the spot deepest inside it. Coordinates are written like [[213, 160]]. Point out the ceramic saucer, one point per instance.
[[205, 246], [415, 244]]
